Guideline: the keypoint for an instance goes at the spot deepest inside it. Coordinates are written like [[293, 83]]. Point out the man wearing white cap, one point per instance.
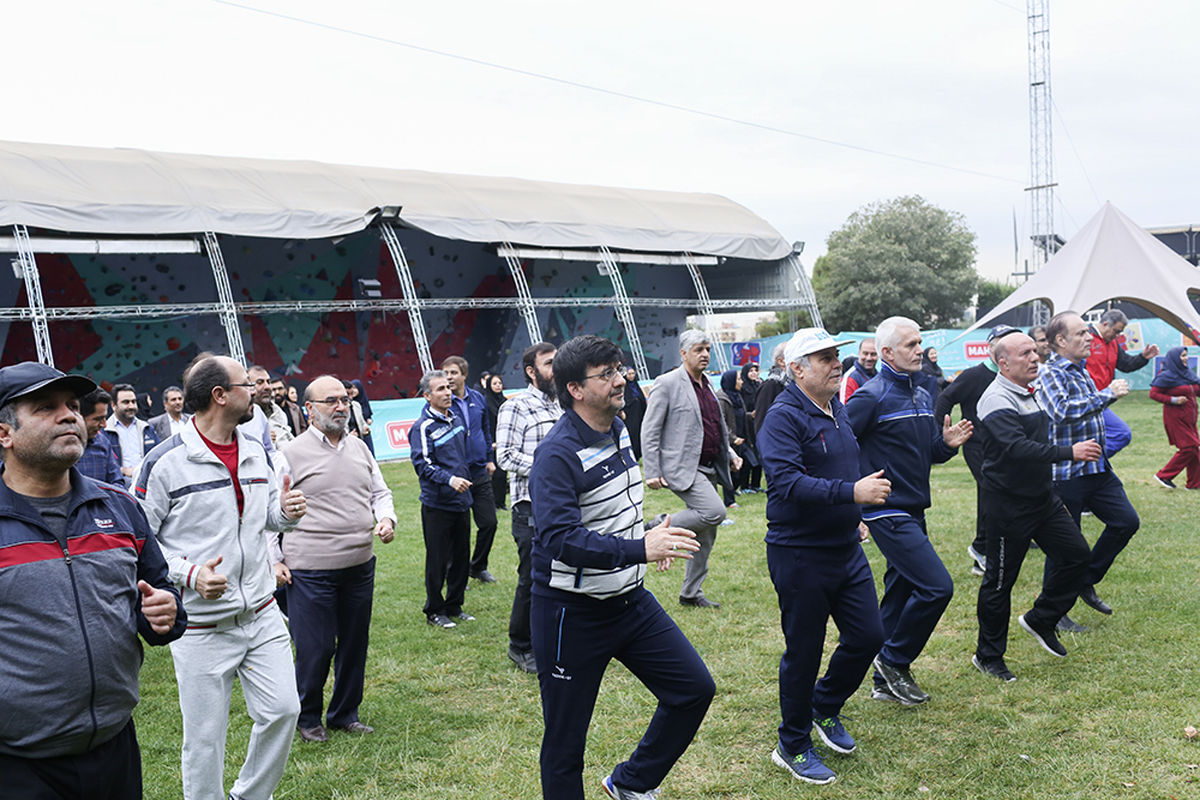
[[814, 530]]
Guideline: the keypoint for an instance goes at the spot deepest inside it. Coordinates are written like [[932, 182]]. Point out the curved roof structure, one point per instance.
[[123, 191]]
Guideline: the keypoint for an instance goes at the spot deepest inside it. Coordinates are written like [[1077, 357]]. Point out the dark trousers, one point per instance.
[[483, 507], [330, 621], [111, 771], [973, 455], [1104, 495], [574, 642], [447, 544], [1010, 523], [916, 587], [500, 487], [814, 584], [518, 622]]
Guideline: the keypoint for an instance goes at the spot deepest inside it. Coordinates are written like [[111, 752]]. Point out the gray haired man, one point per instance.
[[685, 449]]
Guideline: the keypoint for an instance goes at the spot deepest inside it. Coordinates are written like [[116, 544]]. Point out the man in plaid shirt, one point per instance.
[[523, 421], [1076, 410]]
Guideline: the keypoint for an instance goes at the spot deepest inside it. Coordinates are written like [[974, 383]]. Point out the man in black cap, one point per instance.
[[81, 573], [965, 391]]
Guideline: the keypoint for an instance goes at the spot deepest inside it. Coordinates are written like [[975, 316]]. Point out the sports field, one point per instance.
[[455, 719]]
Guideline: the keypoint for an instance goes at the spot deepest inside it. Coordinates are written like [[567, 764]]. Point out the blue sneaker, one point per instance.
[[617, 793], [833, 733], [807, 766]]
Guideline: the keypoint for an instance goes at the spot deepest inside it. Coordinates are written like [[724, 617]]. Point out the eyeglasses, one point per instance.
[[247, 385], [608, 375], [344, 400]]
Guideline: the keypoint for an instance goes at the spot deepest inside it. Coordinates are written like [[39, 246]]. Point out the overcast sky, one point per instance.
[[936, 81]]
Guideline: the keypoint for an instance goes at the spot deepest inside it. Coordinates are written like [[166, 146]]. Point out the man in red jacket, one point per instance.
[[1108, 355]]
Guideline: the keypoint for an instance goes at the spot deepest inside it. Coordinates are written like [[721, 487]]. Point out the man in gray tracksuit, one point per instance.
[[209, 494]]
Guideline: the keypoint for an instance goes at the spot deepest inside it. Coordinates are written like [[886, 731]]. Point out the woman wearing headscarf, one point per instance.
[[635, 409], [750, 387], [1176, 386], [935, 380], [729, 397], [493, 396]]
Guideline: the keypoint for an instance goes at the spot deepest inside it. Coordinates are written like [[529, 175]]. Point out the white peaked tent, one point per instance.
[[1111, 258]]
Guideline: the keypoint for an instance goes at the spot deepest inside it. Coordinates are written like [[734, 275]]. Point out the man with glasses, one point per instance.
[[209, 495], [589, 606], [329, 560], [685, 448]]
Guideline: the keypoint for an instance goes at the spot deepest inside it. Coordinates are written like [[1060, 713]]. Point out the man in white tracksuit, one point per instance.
[[210, 494]]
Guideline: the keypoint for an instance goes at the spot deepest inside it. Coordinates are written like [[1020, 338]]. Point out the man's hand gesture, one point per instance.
[[210, 584], [664, 544], [955, 435], [872, 490]]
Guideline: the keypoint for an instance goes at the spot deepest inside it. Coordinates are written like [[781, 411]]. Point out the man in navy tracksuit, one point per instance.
[[588, 604], [438, 446], [814, 553], [1017, 504], [896, 430]]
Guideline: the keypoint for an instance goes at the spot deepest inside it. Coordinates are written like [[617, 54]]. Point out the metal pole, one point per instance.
[[706, 309], [33, 289], [624, 312], [528, 312], [227, 310], [804, 288], [388, 232]]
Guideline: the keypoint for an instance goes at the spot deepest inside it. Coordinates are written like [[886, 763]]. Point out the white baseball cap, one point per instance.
[[807, 341]]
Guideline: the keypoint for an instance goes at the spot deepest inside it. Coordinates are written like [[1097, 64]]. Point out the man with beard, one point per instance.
[[209, 495], [522, 424], [278, 428], [98, 460], [295, 415], [330, 563], [685, 448], [81, 573], [132, 437]]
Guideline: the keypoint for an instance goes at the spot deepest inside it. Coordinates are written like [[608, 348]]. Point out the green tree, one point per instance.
[[991, 294], [782, 322], [901, 256]]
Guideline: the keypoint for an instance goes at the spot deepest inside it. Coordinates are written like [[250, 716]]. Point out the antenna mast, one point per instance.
[[1041, 146]]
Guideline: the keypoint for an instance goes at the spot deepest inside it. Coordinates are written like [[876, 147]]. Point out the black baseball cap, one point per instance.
[[1000, 331], [28, 377]]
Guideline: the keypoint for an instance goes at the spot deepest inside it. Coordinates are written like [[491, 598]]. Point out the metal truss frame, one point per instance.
[[706, 309], [624, 309], [412, 303], [226, 309], [33, 291], [526, 306], [808, 298]]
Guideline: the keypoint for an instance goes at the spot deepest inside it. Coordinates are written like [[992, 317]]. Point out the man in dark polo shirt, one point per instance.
[[685, 448]]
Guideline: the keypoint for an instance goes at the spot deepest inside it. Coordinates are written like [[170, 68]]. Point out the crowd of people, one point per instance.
[[240, 524]]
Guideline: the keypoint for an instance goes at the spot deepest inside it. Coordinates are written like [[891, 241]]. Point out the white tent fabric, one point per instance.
[[121, 191], [1111, 258]]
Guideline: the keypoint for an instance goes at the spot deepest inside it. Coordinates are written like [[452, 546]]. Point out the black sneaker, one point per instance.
[[1165, 482], [1092, 599], [440, 621], [1068, 625], [900, 681], [880, 691], [996, 668], [1046, 639]]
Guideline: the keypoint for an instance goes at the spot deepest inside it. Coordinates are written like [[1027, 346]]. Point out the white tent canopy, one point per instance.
[[121, 191], [1111, 258]]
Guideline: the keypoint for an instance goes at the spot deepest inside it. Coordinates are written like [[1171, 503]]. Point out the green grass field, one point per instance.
[[455, 719]]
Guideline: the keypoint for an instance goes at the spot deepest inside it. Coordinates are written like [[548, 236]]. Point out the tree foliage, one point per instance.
[[901, 256], [782, 322], [991, 294]]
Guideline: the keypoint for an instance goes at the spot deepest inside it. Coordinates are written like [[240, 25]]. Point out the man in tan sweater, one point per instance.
[[328, 559]]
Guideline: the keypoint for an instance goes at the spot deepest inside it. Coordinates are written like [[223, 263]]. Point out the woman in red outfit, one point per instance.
[[1176, 386]]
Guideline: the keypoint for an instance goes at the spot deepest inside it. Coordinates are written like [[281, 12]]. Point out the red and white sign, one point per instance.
[[977, 350], [397, 433]]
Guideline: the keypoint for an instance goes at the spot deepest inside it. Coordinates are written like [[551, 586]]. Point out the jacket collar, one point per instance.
[[83, 490], [888, 372], [586, 433], [797, 396], [197, 450]]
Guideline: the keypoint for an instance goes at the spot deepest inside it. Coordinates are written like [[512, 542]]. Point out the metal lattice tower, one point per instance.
[[33, 290], [706, 310], [1041, 144], [226, 308], [624, 309]]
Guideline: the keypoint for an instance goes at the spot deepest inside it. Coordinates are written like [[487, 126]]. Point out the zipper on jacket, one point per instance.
[[87, 645]]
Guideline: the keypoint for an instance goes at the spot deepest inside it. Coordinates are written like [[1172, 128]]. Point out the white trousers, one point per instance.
[[259, 653]]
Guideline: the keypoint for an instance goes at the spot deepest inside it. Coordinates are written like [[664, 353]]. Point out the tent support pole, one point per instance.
[[706, 309], [624, 310], [226, 310], [388, 232], [528, 312], [806, 291], [33, 290]]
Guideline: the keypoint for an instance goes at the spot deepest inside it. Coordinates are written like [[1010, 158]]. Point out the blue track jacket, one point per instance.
[[438, 449], [473, 410], [897, 433], [811, 462]]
